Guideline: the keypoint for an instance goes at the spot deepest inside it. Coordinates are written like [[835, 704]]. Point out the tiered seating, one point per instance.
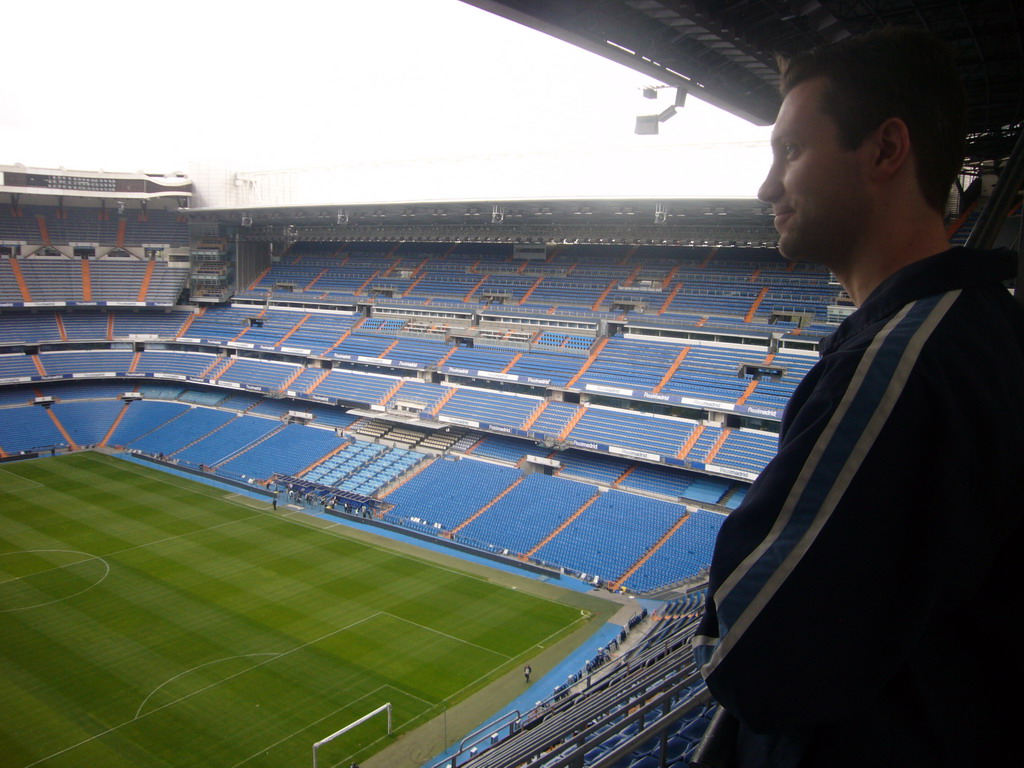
[[264, 373], [658, 479], [15, 395], [554, 418], [318, 333], [415, 392], [711, 372], [662, 436], [527, 514], [94, 361], [630, 363], [544, 367], [79, 327], [241, 401], [592, 466], [166, 283], [611, 535], [87, 422], [142, 418], [17, 225], [61, 280], [382, 324], [144, 324], [448, 492], [568, 341], [204, 397], [176, 434], [287, 451], [24, 327], [480, 358], [484, 407], [460, 278], [28, 428], [90, 225], [17, 366], [175, 363], [686, 552], [355, 387], [363, 467], [120, 281], [221, 324], [423, 352], [603, 710], [510, 449], [365, 344], [53, 279], [748, 450], [228, 438]]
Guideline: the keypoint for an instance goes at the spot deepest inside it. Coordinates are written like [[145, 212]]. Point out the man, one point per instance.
[[858, 598]]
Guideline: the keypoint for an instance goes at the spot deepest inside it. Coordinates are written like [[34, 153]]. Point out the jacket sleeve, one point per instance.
[[825, 578]]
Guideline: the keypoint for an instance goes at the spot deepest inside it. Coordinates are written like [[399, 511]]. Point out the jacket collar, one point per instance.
[[956, 268]]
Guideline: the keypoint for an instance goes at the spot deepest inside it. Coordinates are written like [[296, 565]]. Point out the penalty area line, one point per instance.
[[114, 728]]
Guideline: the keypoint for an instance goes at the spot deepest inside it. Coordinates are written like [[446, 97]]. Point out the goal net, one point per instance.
[[350, 726]]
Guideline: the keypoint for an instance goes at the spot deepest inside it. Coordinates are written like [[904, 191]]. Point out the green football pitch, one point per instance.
[[148, 620]]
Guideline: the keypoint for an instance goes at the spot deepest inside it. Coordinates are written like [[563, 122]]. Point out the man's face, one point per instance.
[[815, 186]]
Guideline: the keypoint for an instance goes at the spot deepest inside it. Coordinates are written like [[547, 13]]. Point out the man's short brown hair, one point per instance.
[[893, 72]]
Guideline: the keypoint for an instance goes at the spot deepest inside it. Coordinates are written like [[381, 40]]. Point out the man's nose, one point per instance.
[[771, 188]]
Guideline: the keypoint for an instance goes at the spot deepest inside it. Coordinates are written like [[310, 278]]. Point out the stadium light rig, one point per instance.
[[647, 125]]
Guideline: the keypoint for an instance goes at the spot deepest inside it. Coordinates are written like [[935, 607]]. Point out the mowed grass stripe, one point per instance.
[[272, 698], [136, 508], [224, 637]]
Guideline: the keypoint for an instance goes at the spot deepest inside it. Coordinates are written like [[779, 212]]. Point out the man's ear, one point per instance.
[[890, 148]]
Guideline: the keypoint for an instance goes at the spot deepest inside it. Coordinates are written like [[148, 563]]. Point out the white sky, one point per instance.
[[402, 99]]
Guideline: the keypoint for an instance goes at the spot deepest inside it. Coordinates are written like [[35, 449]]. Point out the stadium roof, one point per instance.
[[723, 51]]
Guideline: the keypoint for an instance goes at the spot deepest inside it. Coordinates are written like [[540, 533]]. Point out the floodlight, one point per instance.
[[646, 125]]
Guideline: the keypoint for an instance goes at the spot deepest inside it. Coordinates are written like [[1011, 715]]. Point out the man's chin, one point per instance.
[[787, 251]]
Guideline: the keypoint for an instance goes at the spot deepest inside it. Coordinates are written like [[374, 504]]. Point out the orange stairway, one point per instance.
[[714, 449], [60, 428], [113, 427], [691, 441], [588, 362], [19, 278], [749, 317], [484, 508], [672, 369], [649, 553], [86, 281], [144, 288], [565, 524]]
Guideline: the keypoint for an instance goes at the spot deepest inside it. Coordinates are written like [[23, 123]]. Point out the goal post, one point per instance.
[[350, 726]]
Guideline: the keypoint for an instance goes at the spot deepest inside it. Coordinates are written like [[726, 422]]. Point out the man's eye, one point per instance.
[[789, 150]]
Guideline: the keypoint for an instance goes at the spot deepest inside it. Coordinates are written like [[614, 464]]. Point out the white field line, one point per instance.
[[181, 535], [142, 706], [318, 720], [198, 691], [450, 637], [267, 748], [397, 553], [87, 558], [13, 484], [297, 521]]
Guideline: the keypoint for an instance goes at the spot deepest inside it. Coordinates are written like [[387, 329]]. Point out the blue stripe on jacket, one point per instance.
[[830, 466]]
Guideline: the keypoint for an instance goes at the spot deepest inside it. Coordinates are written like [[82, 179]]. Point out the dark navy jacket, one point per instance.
[[863, 597]]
